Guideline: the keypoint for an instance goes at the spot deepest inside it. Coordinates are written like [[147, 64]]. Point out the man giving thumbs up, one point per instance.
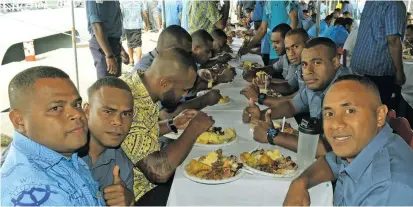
[[118, 194]]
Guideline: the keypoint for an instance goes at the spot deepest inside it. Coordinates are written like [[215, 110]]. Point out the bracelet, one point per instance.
[[110, 56]]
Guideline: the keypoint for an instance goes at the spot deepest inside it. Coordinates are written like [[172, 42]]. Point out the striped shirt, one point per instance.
[[379, 19]]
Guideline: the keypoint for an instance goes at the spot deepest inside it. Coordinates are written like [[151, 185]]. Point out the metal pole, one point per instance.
[[408, 6], [317, 28], [163, 15], [74, 42]]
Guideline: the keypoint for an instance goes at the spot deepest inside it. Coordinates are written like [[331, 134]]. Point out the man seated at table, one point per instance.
[[320, 67], [202, 43], [372, 166], [340, 32], [173, 36], [109, 114], [202, 46], [42, 166], [277, 39], [176, 37], [324, 24], [153, 165], [329, 30], [290, 65], [220, 42]]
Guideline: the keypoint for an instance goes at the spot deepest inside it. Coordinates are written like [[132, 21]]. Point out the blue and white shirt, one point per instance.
[[132, 13], [379, 19], [34, 175]]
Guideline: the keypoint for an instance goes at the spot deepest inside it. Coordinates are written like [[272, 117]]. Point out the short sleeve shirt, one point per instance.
[[142, 139], [107, 12], [102, 169]]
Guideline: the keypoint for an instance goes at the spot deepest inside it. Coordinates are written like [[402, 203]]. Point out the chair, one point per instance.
[[401, 126]]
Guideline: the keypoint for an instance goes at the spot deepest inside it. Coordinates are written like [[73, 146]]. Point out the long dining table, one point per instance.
[[250, 189]]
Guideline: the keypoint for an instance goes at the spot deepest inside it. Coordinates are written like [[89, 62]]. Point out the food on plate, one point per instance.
[[214, 166], [287, 127], [247, 65], [407, 57], [216, 135], [261, 74], [272, 93], [269, 161], [224, 100]]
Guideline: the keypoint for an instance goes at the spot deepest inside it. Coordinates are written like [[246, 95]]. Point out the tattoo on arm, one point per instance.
[[156, 167]]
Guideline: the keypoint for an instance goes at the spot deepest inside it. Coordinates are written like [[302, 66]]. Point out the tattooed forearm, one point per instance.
[[156, 167]]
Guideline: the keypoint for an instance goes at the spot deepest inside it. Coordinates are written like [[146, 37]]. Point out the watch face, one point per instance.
[[272, 132]]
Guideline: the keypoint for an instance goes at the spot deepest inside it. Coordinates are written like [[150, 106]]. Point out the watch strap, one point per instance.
[[171, 126], [261, 98], [271, 134]]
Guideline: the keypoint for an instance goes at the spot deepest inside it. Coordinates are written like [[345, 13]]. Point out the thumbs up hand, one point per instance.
[[118, 194], [261, 128], [251, 112]]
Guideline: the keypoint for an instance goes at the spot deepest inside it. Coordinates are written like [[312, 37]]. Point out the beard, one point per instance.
[[169, 100]]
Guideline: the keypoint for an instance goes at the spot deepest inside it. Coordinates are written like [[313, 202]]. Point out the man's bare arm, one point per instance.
[[282, 87], [281, 109], [258, 36], [145, 19], [318, 172], [395, 49], [99, 30], [294, 19], [160, 165], [197, 103], [163, 127], [273, 101]]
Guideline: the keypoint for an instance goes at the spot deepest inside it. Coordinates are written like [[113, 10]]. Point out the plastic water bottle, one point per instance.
[[309, 131]]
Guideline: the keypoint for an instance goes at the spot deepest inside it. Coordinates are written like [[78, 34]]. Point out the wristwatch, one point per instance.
[[271, 134], [171, 126], [261, 98]]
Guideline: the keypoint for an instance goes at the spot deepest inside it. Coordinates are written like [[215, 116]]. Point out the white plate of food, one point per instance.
[[214, 168], [215, 137], [287, 127], [224, 100], [269, 163]]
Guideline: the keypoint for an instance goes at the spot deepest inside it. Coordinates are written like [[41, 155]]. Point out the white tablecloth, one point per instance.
[[251, 190], [407, 88]]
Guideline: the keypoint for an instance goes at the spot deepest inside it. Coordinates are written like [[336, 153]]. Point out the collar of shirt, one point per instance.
[[105, 158], [341, 71], [358, 166], [40, 152]]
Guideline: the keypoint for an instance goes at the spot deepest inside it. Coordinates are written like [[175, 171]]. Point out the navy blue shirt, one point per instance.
[[107, 12]]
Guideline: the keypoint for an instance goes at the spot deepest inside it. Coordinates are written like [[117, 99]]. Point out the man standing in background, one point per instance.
[[378, 50], [206, 15], [134, 12], [173, 12], [105, 26]]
